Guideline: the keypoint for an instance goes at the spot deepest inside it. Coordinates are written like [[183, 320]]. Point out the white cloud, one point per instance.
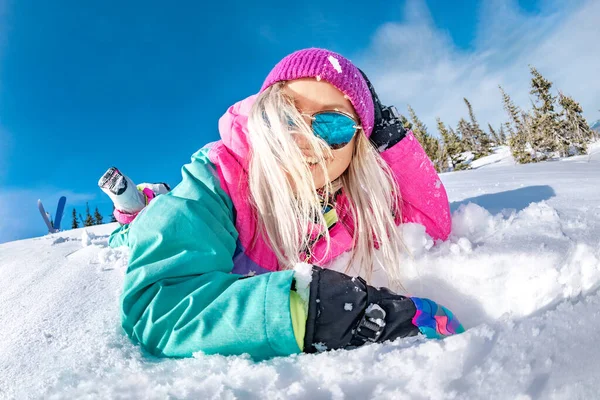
[[413, 62], [19, 215]]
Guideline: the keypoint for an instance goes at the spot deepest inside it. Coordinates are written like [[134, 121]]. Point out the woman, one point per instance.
[[309, 169]]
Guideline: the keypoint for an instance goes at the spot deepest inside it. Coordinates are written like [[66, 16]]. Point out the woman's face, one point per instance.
[[311, 96]]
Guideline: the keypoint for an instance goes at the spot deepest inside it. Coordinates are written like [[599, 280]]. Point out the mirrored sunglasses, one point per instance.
[[336, 128]]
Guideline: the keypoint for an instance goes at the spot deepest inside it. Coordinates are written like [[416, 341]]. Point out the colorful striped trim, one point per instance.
[[435, 321]]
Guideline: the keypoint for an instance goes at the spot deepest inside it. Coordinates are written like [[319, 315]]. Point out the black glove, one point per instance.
[[388, 129], [345, 312]]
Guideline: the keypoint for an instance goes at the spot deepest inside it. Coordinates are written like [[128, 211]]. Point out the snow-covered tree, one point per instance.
[[546, 134], [574, 125]]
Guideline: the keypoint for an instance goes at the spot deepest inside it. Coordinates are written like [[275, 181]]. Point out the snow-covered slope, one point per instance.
[[521, 270], [500, 158]]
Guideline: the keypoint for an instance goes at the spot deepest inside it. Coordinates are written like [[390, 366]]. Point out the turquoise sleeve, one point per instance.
[[179, 294], [119, 236]]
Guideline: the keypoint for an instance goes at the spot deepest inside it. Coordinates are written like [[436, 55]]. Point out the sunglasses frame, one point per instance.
[[337, 146]]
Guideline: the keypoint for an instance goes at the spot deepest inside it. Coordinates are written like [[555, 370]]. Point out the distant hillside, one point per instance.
[[596, 126]]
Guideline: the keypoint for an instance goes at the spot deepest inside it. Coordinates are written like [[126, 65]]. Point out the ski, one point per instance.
[[60, 208], [45, 217]]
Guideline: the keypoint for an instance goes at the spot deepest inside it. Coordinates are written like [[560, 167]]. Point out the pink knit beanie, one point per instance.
[[330, 67]]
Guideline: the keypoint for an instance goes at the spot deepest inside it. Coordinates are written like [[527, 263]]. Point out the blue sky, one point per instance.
[[141, 85]]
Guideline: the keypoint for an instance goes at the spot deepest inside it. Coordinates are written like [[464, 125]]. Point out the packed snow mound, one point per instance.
[[521, 271]]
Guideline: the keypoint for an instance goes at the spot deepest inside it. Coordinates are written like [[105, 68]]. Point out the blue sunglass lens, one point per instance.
[[334, 128]]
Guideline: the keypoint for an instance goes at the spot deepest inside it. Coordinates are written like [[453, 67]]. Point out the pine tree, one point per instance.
[[439, 154], [502, 135], [74, 223], [430, 144], [453, 147], [575, 127], [417, 126], [481, 141], [518, 148], [405, 122], [514, 113], [89, 220], [112, 216], [466, 133], [462, 164], [98, 217], [546, 136], [494, 136], [517, 131]]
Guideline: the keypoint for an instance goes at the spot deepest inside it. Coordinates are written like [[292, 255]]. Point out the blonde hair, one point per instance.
[[287, 202]]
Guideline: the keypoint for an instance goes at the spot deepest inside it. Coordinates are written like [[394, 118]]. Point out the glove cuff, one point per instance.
[[433, 320]]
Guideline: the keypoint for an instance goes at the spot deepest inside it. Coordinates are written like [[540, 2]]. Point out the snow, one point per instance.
[[335, 63], [500, 158], [303, 278], [521, 271], [348, 306], [86, 238], [321, 347]]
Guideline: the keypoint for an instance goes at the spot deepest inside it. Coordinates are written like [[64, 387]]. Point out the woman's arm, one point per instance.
[[179, 295], [424, 199]]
